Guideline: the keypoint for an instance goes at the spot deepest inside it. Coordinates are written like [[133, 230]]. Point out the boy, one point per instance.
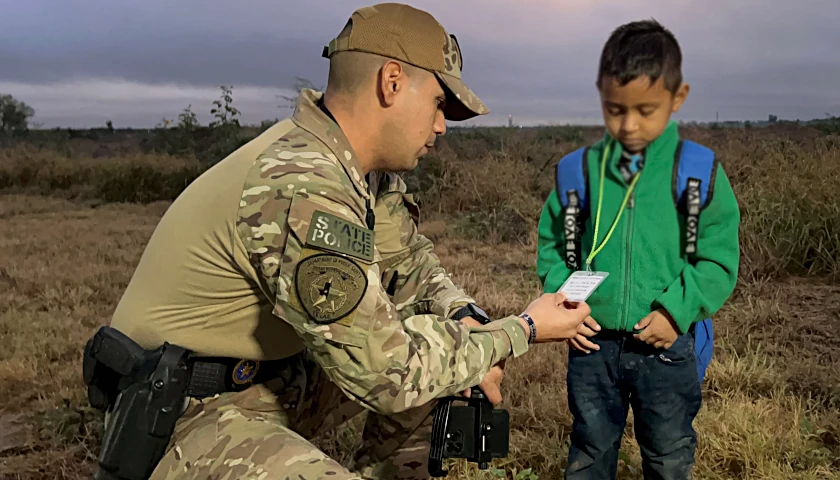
[[638, 347]]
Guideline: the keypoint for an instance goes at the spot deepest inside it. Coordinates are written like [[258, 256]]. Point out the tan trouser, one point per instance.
[[263, 433]]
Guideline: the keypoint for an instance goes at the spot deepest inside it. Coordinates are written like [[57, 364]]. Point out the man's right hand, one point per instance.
[[554, 318]]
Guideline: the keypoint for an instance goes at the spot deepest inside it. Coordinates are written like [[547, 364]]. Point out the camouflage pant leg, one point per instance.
[[396, 446], [236, 443], [393, 446], [264, 433], [252, 434], [322, 405]]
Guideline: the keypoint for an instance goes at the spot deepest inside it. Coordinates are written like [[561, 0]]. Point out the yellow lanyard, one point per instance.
[[600, 201]]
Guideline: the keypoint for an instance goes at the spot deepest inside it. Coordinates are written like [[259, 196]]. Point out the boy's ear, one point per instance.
[[680, 96]]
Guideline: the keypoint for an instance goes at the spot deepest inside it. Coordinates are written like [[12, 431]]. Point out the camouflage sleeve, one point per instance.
[[307, 240], [411, 272]]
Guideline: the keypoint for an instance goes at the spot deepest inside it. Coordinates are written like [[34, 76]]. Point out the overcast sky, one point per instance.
[[80, 63]]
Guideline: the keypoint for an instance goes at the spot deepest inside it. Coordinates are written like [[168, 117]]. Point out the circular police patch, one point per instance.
[[245, 371], [329, 287]]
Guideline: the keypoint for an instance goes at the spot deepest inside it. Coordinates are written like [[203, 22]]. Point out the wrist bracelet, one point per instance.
[[533, 327]]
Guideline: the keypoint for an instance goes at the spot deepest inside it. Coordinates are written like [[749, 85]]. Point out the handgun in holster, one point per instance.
[[477, 432], [143, 392]]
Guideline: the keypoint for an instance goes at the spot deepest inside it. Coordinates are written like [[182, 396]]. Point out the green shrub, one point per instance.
[[491, 184]]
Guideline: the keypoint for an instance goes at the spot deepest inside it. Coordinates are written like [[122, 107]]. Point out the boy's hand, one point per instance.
[[657, 329], [589, 328]]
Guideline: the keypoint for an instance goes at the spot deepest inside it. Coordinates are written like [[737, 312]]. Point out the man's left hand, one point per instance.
[[657, 329], [492, 383]]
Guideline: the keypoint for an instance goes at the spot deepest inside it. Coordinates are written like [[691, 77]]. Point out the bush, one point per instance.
[[785, 182], [139, 178], [491, 184]]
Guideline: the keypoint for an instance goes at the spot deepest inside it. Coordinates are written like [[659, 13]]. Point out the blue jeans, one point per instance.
[[660, 385]]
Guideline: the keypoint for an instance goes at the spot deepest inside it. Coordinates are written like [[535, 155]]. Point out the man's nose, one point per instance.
[[440, 124]]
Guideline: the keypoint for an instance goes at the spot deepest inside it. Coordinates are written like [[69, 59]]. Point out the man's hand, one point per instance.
[[470, 321], [657, 329], [589, 328], [492, 383], [555, 319]]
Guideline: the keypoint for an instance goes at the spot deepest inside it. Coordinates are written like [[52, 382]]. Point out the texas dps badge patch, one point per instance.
[[329, 287], [245, 371]]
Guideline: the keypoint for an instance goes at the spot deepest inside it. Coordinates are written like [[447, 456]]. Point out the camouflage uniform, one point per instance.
[[268, 256]]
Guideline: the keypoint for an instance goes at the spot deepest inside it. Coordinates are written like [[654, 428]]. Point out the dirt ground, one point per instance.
[[771, 400]]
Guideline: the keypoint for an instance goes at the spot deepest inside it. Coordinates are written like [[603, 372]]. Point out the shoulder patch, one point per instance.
[[329, 287], [329, 232]]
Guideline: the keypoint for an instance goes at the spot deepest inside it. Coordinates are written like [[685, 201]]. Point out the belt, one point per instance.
[[216, 375]]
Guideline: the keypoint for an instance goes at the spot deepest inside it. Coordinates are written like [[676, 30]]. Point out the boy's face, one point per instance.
[[637, 113]]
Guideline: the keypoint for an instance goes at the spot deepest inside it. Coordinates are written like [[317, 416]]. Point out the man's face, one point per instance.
[[415, 121], [637, 113]]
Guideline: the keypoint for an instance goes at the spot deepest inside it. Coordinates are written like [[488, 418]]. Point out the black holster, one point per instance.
[[144, 393]]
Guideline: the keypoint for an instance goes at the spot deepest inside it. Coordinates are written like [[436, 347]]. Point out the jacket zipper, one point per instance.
[[627, 263]]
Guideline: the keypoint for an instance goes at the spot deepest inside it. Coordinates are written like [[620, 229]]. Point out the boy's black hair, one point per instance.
[[642, 48]]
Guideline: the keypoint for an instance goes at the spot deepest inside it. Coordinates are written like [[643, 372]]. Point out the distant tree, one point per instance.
[[772, 118], [224, 110], [14, 114], [187, 120]]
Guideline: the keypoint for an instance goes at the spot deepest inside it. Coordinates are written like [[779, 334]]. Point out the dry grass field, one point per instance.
[[73, 225]]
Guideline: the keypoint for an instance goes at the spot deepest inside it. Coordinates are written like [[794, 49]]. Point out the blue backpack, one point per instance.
[[693, 185]]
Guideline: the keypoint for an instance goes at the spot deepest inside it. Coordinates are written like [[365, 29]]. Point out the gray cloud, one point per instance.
[[134, 62]]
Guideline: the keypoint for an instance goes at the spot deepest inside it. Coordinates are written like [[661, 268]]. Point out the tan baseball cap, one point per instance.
[[404, 33]]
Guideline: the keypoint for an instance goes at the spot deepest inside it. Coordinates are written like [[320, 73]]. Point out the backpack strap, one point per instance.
[[571, 182], [694, 179]]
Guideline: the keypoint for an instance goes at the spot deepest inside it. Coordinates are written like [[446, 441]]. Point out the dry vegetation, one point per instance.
[[772, 395]]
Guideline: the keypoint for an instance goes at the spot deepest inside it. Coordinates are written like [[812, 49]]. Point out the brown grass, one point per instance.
[[772, 395]]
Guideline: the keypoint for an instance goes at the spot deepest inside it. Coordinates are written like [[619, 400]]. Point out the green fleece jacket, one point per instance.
[[644, 255]]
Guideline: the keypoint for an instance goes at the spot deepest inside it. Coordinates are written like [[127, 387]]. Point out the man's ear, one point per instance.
[[680, 96], [392, 80]]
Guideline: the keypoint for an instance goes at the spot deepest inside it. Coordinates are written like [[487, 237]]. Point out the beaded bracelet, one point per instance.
[[533, 327]]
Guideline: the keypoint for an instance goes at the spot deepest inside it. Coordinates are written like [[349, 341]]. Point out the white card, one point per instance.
[[580, 285]]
